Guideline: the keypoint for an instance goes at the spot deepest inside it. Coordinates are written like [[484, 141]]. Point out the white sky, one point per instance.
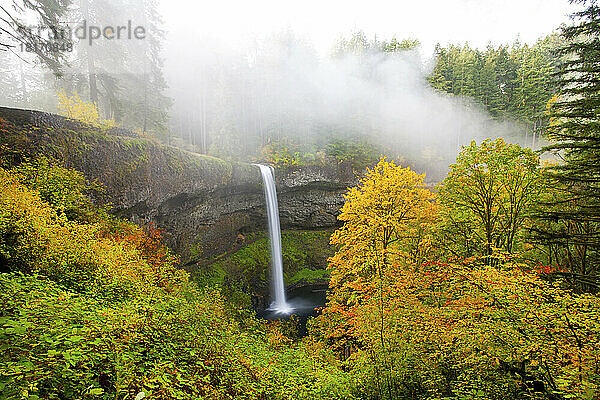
[[322, 22]]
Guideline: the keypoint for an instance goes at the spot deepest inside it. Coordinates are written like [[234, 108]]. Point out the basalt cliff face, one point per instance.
[[204, 204], [206, 222]]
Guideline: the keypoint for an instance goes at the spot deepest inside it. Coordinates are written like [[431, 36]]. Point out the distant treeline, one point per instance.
[[514, 82]]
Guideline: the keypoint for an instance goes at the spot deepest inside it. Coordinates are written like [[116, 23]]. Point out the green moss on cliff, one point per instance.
[[247, 270], [309, 275], [120, 161]]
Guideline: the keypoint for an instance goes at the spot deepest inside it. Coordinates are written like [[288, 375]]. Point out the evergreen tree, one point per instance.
[[396, 45], [575, 130], [511, 82], [18, 35], [123, 77]]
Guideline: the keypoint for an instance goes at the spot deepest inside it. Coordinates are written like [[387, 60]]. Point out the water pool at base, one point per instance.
[[305, 301]]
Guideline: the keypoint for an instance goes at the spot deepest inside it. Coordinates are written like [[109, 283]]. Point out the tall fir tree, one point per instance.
[[575, 131]]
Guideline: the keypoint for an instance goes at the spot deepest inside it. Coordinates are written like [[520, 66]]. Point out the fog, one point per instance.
[[234, 92], [233, 101]]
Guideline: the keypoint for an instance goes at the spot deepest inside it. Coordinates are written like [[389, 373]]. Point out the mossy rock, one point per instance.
[[247, 270]]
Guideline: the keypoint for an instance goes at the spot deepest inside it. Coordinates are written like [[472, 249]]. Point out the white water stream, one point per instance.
[[279, 303]]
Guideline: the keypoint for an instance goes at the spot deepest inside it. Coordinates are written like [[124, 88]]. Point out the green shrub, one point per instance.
[[359, 152]]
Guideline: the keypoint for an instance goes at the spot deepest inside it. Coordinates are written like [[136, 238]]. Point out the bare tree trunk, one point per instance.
[[145, 123], [146, 78], [23, 87], [90, 57], [203, 124]]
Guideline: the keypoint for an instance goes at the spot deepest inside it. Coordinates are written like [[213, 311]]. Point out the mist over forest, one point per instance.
[[274, 200], [278, 91], [284, 92]]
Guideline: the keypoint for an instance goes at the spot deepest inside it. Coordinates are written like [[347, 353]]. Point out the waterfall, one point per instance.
[[279, 304]]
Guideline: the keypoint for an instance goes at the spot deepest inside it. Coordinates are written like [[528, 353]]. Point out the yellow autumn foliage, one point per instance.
[[386, 219], [85, 111]]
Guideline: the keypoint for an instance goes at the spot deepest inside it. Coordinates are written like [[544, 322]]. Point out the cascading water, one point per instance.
[[279, 304]]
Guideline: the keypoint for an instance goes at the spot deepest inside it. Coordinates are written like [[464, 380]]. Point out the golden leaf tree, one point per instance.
[[386, 220]]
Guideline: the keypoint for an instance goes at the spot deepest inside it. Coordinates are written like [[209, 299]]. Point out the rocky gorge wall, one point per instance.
[[204, 204]]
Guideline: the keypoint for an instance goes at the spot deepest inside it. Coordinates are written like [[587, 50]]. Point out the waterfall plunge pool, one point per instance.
[[306, 302]]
